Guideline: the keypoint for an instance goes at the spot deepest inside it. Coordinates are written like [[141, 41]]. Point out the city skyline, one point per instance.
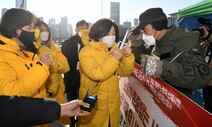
[[76, 10]]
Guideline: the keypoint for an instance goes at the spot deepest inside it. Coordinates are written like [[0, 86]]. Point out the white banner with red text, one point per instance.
[[150, 102]]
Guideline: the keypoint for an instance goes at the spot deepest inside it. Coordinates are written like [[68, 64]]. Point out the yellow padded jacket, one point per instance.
[[98, 65], [21, 71]]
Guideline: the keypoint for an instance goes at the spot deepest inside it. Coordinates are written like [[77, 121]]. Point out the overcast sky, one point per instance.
[[91, 10]]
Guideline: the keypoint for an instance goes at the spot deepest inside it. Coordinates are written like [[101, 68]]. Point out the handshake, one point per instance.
[[118, 53]]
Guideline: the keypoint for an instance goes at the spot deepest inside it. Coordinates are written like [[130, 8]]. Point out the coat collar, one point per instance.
[[11, 45], [102, 46], [97, 45]]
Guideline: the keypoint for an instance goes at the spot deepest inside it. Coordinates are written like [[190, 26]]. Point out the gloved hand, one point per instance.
[[151, 66], [135, 38]]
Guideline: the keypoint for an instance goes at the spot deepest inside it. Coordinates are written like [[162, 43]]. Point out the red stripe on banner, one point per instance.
[[165, 105]]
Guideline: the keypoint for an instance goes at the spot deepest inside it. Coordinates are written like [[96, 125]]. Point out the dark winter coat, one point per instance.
[[189, 70], [16, 111], [185, 72], [70, 49]]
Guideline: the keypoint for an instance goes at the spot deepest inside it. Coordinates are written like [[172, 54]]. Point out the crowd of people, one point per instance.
[[32, 66]]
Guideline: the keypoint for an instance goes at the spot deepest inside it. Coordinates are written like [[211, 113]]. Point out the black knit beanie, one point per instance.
[[154, 16]]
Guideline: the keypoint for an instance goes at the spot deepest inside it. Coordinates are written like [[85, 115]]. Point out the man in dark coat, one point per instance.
[[19, 111], [207, 91], [70, 49], [174, 56]]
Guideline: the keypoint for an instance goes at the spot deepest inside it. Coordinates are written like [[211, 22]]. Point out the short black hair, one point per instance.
[[101, 28], [81, 23], [14, 19], [38, 22], [87, 24]]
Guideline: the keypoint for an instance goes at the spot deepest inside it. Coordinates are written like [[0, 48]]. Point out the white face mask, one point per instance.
[[44, 35], [148, 39], [109, 40]]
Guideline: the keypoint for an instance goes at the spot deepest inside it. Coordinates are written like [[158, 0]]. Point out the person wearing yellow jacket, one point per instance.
[[52, 83], [23, 73], [62, 63], [101, 65], [55, 84]]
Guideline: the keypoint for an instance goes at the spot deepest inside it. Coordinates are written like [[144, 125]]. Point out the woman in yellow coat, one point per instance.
[[62, 62], [101, 63], [23, 73], [60, 66]]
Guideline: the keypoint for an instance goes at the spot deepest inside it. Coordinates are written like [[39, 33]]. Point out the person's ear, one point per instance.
[[18, 32], [76, 30]]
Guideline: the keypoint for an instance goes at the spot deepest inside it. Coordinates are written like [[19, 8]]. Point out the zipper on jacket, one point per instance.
[[24, 53], [33, 56]]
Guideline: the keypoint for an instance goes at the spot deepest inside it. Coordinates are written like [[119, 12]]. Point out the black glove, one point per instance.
[[151, 66]]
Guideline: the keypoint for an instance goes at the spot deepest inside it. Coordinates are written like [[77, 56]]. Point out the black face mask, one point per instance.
[[27, 39]]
